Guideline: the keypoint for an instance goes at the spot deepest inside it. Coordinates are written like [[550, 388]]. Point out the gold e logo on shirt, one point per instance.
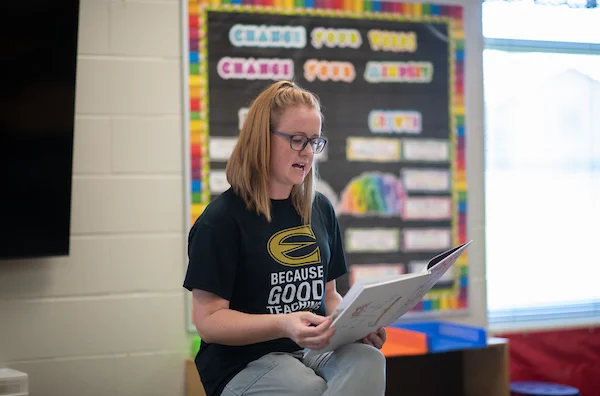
[[285, 243]]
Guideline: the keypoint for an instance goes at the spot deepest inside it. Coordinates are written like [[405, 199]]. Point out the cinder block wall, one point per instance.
[[109, 319]]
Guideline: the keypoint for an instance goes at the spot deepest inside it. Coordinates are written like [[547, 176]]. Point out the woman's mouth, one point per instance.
[[299, 166]]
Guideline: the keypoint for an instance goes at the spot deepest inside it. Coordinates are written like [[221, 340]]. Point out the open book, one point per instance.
[[370, 305]]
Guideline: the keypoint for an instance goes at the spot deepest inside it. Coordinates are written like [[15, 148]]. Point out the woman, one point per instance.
[[263, 259]]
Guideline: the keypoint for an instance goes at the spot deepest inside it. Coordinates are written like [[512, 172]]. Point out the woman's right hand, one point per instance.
[[307, 329]]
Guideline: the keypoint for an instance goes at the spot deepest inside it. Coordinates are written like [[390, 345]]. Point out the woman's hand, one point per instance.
[[307, 329], [376, 339]]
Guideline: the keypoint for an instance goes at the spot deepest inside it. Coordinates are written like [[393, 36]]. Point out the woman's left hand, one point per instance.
[[376, 339]]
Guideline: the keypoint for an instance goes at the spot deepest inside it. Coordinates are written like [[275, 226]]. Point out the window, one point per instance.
[[542, 104]]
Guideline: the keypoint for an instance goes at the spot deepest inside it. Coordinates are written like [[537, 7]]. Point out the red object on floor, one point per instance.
[[569, 357]]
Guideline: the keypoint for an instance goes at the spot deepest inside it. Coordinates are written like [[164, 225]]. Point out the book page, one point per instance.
[[454, 252], [377, 305], [440, 264], [368, 307], [437, 267]]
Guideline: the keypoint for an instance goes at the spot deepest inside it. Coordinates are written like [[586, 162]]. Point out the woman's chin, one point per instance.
[[298, 180]]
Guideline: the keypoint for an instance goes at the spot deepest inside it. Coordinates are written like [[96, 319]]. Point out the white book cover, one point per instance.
[[370, 305]]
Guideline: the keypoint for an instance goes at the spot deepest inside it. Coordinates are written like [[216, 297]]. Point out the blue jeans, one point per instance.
[[352, 370]]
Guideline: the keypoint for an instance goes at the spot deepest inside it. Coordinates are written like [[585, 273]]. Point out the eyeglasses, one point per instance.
[[299, 142]]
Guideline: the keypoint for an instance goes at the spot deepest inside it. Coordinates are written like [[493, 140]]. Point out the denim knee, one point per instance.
[[354, 370], [308, 386], [371, 359]]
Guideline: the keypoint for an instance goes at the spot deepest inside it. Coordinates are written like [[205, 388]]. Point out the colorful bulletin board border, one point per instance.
[[197, 103]]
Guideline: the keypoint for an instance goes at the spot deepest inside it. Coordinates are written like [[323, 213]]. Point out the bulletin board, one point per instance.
[[390, 77]]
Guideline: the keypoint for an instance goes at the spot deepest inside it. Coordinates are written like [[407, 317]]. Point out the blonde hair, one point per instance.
[[248, 166]]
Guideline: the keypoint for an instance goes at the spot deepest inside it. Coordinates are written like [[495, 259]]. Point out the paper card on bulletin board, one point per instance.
[[390, 76]]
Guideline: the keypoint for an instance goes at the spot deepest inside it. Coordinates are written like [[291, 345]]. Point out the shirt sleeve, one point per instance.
[[212, 257], [337, 263]]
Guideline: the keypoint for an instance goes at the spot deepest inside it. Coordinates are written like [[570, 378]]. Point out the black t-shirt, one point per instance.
[[260, 268]]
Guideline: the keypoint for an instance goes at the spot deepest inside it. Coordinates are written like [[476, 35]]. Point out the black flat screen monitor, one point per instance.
[[38, 57]]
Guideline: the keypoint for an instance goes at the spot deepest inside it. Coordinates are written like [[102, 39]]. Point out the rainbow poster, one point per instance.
[[390, 76]]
